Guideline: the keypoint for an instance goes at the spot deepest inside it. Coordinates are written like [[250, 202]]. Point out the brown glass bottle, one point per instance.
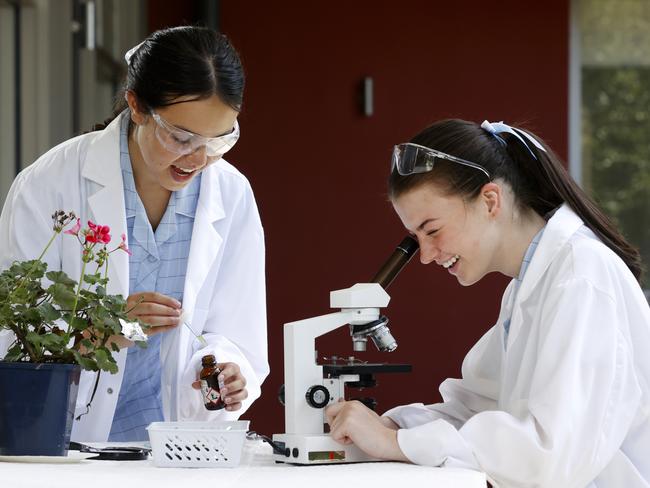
[[210, 384]]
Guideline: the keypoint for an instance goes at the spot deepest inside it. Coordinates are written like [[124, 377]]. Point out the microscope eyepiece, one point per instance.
[[392, 267]]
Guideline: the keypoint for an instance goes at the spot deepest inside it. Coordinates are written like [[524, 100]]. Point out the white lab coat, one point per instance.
[[567, 404], [224, 289]]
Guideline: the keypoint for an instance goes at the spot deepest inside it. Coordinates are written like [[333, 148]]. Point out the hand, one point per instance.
[[160, 312], [233, 390], [354, 423]]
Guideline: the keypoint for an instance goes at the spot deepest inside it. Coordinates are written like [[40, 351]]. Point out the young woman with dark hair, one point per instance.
[[557, 393], [156, 174]]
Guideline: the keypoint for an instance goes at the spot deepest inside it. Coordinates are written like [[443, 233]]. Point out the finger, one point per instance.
[[236, 397], [339, 435], [228, 370], [154, 296], [232, 407], [160, 329], [159, 321], [333, 410], [238, 383], [152, 308], [196, 385]]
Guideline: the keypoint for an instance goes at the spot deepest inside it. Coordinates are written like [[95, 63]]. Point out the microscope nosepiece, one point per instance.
[[383, 339]]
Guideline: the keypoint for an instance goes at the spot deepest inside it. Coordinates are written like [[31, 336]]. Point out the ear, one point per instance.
[[492, 198], [138, 116]]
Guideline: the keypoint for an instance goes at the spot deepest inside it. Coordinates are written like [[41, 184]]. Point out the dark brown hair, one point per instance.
[[182, 61], [540, 183]]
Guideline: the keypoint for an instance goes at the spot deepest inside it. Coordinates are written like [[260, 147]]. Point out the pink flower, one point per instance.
[[98, 233], [75, 229], [122, 245]]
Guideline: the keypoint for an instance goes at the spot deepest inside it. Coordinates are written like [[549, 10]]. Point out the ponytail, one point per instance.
[[551, 185]]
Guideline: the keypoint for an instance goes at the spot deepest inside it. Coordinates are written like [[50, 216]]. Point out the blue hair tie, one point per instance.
[[496, 128]]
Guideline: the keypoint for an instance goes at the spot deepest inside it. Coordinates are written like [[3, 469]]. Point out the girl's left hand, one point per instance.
[[354, 423], [233, 390]]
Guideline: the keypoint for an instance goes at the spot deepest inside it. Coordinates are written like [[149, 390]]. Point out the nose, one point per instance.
[[198, 158], [428, 252]]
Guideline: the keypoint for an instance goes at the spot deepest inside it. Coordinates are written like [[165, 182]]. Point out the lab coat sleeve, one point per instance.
[[582, 400], [235, 327], [462, 398]]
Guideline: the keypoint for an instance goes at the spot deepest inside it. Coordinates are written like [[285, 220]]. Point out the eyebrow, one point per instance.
[[421, 226]]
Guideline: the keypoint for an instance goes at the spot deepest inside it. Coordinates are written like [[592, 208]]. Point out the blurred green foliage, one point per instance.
[[615, 58]]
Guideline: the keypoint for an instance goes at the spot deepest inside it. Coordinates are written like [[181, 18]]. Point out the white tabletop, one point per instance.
[[257, 468]]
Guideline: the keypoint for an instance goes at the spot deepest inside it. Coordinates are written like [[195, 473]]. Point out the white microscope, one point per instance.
[[310, 387]]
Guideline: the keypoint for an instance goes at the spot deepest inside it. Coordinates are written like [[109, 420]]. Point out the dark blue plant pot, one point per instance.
[[37, 403]]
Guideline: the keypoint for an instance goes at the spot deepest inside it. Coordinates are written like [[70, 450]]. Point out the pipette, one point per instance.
[[200, 338]]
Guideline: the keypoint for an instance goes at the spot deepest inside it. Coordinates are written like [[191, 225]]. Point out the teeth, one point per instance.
[[186, 171], [452, 260]]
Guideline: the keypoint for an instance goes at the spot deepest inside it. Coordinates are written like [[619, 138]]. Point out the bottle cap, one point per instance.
[[208, 360]]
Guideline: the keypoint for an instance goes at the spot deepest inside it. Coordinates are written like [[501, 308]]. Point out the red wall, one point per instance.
[[319, 167]]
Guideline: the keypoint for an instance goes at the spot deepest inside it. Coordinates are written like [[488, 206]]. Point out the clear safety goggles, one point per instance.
[[181, 141], [411, 158]]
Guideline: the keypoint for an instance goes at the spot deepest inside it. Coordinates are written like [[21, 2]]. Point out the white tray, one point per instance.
[[197, 444]]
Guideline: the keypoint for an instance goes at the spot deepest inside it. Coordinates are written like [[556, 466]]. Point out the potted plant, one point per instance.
[[59, 326]]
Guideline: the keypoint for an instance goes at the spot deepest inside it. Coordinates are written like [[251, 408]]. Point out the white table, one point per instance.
[[257, 468]]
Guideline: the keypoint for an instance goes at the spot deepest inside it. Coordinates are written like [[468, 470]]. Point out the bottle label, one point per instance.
[[210, 392]]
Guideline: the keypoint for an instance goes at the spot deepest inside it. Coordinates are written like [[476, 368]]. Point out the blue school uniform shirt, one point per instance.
[[158, 263], [528, 257]]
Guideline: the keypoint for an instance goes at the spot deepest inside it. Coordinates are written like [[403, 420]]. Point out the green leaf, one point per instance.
[[61, 295], [85, 363], [34, 338], [105, 360], [79, 323], [14, 353], [61, 277], [48, 312], [92, 279], [53, 340]]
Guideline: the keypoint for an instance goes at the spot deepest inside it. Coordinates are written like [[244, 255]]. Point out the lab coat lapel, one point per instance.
[[206, 241], [204, 248], [559, 229], [107, 202]]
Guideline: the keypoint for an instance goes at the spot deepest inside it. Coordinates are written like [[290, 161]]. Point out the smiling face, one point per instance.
[[156, 166], [457, 234]]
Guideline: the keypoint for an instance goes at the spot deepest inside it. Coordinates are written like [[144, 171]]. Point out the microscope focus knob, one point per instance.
[[317, 396]]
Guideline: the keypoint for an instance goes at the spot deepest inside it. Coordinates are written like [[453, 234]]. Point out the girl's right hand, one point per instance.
[[160, 312]]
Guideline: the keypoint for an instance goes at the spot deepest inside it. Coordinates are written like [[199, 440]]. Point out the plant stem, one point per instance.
[[76, 298], [48, 246], [26, 277]]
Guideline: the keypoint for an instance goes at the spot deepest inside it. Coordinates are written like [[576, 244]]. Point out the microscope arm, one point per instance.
[[301, 370]]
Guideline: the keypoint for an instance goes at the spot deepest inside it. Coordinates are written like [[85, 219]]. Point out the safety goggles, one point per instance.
[[182, 142], [411, 158]]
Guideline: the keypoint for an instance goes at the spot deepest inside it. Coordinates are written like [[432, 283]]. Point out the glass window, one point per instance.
[[614, 49]]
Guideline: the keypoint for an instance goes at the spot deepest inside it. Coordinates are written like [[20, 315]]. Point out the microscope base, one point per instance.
[[317, 449]]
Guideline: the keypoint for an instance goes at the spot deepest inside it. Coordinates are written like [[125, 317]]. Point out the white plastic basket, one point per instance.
[[197, 444]]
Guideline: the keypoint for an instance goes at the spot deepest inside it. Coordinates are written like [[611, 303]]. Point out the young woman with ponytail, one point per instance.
[[557, 392]]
